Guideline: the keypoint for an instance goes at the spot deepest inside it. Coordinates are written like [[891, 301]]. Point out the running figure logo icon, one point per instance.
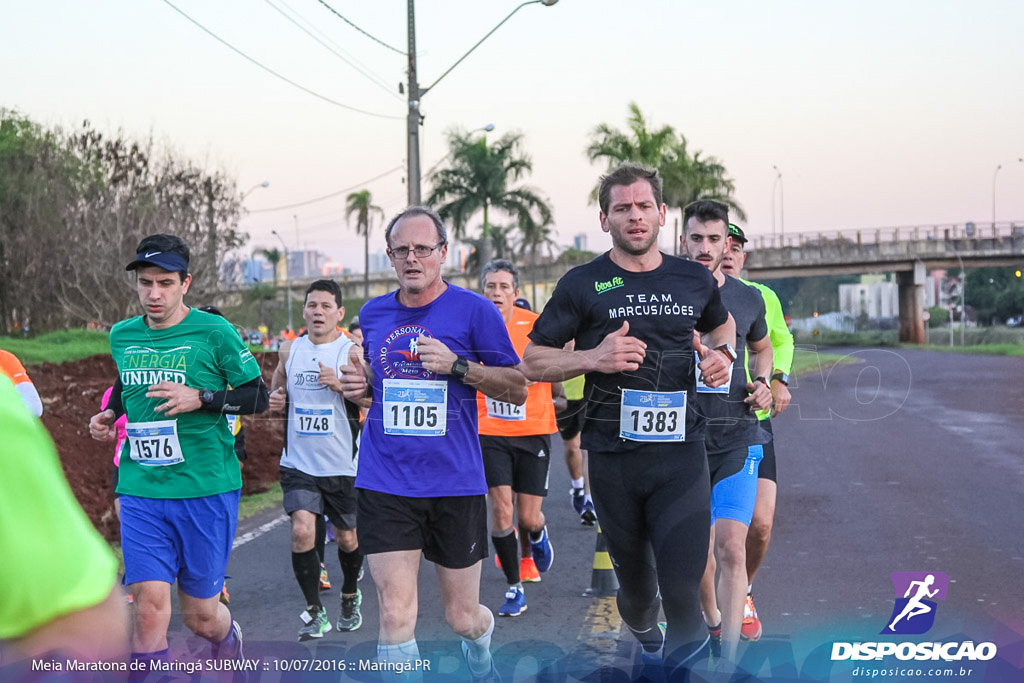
[[916, 595]]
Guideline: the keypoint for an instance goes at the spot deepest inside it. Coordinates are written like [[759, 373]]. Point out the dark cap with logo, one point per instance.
[[736, 233], [163, 251]]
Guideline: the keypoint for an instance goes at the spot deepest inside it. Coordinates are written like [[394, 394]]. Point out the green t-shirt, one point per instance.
[[53, 560], [191, 454], [778, 333]]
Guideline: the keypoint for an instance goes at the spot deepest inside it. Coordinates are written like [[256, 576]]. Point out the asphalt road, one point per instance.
[[903, 461]]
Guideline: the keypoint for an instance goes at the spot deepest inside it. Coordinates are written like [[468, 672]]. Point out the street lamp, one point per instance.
[[287, 288], [995, 174], [782, 208], [257, 186], [413, 121]]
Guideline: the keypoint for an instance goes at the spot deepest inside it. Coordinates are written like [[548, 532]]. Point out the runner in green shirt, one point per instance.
[[179, 477]]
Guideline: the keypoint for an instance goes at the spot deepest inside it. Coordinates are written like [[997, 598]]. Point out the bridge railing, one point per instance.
[[940, 231]]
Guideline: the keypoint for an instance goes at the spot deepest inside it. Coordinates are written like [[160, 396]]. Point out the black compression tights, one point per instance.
[[654, 509]]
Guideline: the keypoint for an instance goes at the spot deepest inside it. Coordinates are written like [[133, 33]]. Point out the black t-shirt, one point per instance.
[[663, 307], [731, 423]]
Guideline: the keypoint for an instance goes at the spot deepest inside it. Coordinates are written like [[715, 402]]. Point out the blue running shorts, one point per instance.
[[733, 497], [187, 540]]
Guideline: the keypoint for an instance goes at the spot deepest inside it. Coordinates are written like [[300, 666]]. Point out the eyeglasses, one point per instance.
[[402, 253]]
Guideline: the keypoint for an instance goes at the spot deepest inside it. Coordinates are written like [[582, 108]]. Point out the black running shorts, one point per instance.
[[521, 462], [331, 496], [450, 530]]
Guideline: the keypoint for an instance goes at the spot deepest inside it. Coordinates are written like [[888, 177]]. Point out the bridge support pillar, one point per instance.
[[911, 293]]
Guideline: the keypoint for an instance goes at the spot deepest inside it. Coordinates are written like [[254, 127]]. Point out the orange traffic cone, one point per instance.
[[602, 578]]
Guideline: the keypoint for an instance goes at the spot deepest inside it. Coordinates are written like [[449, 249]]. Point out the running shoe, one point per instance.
[[233, 651], [225, 597], [578, 496], [318, 624], [652, 665], [714, 646], [528, 571], [589, 516], [325, 582], [351, 617], [543, 553], [515, 602], [751, 628], [491, 676]]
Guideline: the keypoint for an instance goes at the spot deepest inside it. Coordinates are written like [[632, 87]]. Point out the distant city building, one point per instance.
[[379, 262], [579, 242], [257, 269], [305, 263], [871, 301]]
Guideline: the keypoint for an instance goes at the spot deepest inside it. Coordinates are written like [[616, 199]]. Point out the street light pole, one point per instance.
[[413, 121], [414, 94], [995, 174], [265, 183], [287, 288]]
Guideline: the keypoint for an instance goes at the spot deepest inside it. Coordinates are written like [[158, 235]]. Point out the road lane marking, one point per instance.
[[259, 531]]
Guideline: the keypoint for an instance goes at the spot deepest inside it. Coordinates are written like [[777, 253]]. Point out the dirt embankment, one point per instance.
[[71, 395]]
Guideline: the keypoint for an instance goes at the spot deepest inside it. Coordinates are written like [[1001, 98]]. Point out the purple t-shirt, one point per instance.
[[426, 453]]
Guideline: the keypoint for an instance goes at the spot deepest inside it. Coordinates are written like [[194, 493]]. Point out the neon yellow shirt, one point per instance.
[[778, 333], [42, 525]]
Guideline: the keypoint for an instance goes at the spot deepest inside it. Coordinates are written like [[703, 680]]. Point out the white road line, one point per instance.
[[259, 531]]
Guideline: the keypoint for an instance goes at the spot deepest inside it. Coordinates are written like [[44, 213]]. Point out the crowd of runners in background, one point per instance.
[[426, 426]]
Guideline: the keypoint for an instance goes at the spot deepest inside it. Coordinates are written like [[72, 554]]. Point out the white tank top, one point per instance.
[[319, 439]]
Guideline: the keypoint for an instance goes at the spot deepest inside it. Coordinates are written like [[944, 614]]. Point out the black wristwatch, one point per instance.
[[729, 352], [460, 368], [205, 397], [781, 377]]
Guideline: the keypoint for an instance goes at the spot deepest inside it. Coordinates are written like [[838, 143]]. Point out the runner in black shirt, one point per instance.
[[733, 439], [633, 312]]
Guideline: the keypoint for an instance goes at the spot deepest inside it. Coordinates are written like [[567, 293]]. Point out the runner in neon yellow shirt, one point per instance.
[[80, 611]]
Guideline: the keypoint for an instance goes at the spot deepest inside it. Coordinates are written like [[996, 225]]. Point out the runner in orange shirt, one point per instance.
[[15, 371], [516, 445]]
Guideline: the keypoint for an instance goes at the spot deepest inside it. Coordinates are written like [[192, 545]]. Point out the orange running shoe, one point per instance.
[[528, 571], [325, 583], [225, 597], [751, 628]]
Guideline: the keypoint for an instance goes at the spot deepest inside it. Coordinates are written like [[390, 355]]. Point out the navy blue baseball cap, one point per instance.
[[163, 251]]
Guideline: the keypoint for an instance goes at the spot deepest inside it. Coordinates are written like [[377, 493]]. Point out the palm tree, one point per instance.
[[273, 256], [360, 204], [638, 144], [480, 176], [535, 236], [686, 178]]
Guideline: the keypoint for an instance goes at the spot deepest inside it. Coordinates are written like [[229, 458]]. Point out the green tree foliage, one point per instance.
[[686, 177], [481, 176], [995, 294], [360, 204], [73, 206]]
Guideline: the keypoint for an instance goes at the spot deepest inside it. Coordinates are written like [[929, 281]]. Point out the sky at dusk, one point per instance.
[[877, 114]]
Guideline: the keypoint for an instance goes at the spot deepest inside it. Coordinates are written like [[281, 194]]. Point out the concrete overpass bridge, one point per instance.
[[909, 252]]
